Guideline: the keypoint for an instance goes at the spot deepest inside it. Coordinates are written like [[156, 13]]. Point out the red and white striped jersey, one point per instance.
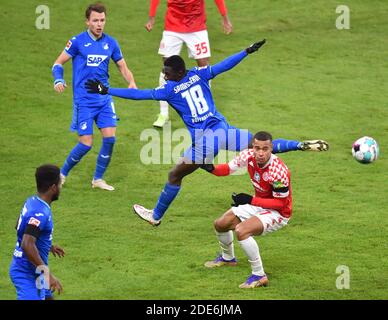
[[273, 181]]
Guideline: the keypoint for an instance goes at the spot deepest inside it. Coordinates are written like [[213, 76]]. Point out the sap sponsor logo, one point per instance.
[[94, 60], [34, 222]]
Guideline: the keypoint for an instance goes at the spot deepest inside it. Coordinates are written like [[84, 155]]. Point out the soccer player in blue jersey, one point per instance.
[[29, 268], [188, 92], [91, 52]]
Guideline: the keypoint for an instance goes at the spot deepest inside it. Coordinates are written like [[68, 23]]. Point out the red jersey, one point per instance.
[[272, 182], [185, 16]]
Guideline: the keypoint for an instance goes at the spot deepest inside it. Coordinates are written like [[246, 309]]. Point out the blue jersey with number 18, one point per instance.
[[191, 96]]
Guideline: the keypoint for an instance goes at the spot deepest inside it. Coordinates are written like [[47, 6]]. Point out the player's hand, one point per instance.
[[132, 85], [60, 87], [55, 284], [95, 86], [57, 251], [150, 24], [254, 47], [227, 26], [240, 199]]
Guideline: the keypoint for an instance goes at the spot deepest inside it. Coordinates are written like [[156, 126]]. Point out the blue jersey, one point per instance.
[[191, 96], [91, 61], [35, 212]]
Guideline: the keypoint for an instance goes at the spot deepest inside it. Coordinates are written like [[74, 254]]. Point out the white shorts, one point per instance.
[[197, 43], [271, 219]]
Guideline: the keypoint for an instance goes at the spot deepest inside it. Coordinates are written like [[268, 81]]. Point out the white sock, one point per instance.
[[163, 104], [226, 242], [251, 249]]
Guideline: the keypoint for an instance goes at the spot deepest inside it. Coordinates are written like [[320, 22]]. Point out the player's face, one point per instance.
[[170, 74], [262, 151], [96, 23]]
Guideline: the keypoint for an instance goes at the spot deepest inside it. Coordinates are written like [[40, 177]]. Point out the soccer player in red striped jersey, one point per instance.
[[268, 210], [185, 22]]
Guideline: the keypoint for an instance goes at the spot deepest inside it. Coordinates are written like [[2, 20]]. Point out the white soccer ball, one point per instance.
[[365, 150]]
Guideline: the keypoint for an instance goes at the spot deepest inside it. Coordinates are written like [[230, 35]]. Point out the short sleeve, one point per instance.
[[71, 47], [116, 54], [37, 219]]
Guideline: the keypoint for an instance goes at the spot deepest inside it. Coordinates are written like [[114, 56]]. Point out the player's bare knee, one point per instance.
[[241, 232], [218, 225], [86, 140]]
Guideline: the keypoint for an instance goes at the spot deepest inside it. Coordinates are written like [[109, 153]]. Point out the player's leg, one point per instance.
[[223, 227], [251, 225], [168, 194], [106, 121], [239, 140], [83, 124], [170, 45]]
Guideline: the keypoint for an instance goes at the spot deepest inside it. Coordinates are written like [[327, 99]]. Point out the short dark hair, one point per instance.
[[263, 136], [45, 176], [98, 7], [176, 63]]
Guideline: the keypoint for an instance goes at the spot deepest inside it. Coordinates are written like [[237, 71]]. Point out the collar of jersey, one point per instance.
[[44, 202], [93, 37]]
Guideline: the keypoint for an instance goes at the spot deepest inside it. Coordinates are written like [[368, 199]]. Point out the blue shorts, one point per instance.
[[221, 136], [25, 282], [84, 117]]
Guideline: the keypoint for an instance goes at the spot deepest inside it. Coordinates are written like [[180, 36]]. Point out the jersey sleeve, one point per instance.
[[36, 219], [280, 181], [153, 6], [116, 54], [71, 47], [204, 72], [221, 7], [137, 94], [240, 161]]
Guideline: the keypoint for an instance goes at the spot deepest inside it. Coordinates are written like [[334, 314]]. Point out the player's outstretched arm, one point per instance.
[[96, 86], [235, 59]]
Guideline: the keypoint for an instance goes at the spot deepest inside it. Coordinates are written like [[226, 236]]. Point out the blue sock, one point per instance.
[[74, 157], [166, 197], [282, 145], [104, 156]]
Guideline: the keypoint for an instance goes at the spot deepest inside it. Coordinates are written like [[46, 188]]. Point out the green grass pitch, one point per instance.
[[309, 81]]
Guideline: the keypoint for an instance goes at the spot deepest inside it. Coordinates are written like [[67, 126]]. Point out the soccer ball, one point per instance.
[[365, 150]]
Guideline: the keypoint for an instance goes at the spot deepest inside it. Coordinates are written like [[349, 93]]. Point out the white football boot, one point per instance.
[[99, 183], [146, 215]]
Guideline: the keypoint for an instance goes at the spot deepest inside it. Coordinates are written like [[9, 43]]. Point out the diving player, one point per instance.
[[188, 92]]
